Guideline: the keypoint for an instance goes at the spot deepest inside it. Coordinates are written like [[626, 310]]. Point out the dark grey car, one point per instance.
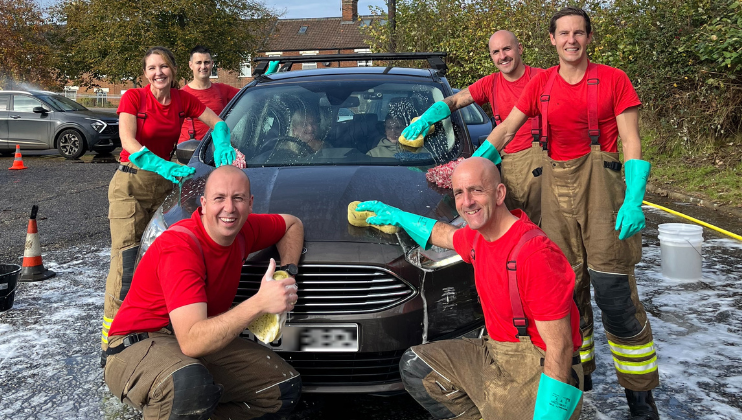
[[364, 296], [40, 120]]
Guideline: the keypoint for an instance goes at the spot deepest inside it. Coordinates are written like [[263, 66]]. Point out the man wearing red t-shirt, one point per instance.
[[215, 96], [531, 356], [521, 159], [584, 108], [174, 347]]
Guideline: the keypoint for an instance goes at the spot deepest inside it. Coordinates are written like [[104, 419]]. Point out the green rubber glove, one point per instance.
[[149, 161], [418, 227], [435, 113], [630, 216], [488, 151], [555, 399], [224, 153], [272, 67]]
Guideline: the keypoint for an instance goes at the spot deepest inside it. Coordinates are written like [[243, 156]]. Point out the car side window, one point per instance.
[[4, 102], [23, 103]]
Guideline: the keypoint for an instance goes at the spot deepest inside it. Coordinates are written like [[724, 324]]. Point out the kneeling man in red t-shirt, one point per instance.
[[529, 366], [174, 347]]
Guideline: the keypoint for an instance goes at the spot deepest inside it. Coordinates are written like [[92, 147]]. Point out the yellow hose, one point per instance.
[[720, 230]]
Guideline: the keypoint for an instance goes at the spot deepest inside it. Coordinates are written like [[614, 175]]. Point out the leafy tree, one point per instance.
[[26, 53], [106, 39]]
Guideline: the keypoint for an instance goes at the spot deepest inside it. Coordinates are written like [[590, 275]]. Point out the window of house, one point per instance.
[[364, 63], [246, 67], [303, 30], [365, 22], [306, 66], [214, 74]]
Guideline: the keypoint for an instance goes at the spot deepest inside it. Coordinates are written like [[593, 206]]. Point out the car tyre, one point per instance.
[[71, 144]]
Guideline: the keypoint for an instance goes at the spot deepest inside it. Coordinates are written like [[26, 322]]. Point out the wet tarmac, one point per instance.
[[49, 340]]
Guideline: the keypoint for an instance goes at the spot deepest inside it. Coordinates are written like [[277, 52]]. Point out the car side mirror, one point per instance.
[[185, 150], [40, 110]]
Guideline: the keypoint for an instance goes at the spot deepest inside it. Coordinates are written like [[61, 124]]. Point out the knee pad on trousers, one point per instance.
[[195, 393], [413, 370], [128, 260], [613, 296], [290, 392]]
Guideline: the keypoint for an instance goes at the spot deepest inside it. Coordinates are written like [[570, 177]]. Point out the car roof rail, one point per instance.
[[435, 60]]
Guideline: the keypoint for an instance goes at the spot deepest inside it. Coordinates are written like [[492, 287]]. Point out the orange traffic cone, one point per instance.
[[18, 162], [33, 268]]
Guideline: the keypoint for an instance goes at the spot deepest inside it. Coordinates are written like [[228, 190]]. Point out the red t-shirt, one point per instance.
[[545, 280], [161, 128], [216, 97], [568, 136], [507, 94], [171, 273]]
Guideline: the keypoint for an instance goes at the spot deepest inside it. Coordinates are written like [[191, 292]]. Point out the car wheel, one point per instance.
[[71, 144], [6, 152], [105, 150]]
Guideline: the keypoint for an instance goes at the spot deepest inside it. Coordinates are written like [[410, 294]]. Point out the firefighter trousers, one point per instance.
[[244, 380], [132, 200], [478, 378], [580, 202], [521, 174]]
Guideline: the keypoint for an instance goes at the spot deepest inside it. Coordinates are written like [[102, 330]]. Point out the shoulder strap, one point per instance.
[[241, 241], [592, 103], [519, 318], [142, 110], [545, 97], [495, 105], [535, 122]]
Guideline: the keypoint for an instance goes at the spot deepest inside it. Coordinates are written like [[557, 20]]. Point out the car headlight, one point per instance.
[[434, 258], [155, 227], [98, 125]]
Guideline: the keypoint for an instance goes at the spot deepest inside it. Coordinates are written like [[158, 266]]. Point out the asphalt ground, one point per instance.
[[49, 340]]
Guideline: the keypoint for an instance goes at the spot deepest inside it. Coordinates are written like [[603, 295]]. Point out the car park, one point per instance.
[[40, 120], [364, 296]]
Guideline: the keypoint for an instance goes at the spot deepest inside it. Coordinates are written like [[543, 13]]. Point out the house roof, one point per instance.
[[320, 34]]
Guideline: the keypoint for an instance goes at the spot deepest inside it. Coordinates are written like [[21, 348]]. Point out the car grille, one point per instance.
[[336, 289], [319, 368], [111, 128]]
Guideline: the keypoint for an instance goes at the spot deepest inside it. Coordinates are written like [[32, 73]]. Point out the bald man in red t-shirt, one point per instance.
[[530, 357], [502, 89], [586, 208]]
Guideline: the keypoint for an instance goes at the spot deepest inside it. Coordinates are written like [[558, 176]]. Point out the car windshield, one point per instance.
[[62, 103], [311, 122]]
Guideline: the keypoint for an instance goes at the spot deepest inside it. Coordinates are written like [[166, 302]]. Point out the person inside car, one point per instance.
[[305, 127], [389, 145], [175, 350]]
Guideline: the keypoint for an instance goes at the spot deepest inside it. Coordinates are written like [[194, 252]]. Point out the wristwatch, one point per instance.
[[292, 269]]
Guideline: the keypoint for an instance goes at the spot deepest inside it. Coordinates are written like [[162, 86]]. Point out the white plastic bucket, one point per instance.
[[680, 248]]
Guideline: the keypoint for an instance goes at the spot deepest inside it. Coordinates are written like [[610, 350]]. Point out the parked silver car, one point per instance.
[[40, 120]]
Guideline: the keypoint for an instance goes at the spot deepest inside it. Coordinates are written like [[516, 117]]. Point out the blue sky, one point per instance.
[[313, 9]]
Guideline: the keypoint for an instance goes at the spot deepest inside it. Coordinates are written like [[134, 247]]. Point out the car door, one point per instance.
[[4, 104], [29, 129]]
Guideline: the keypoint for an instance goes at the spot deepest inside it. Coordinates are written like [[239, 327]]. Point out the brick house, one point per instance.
[[288, 37]]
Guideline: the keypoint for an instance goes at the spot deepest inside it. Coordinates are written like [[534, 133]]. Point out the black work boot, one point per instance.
[[588, 382], [641, 405]]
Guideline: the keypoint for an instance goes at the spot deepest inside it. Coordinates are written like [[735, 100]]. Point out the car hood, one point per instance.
[[320, 195], [107, 118]]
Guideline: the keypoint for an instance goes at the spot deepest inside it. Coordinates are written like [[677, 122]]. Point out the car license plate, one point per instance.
[[313, 337]]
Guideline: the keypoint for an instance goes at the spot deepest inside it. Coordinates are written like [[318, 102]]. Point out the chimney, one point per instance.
[[350, 11]]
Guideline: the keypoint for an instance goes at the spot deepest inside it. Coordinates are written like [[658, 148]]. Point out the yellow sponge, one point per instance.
[[413, 145], [267, 327], [358, 218]]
